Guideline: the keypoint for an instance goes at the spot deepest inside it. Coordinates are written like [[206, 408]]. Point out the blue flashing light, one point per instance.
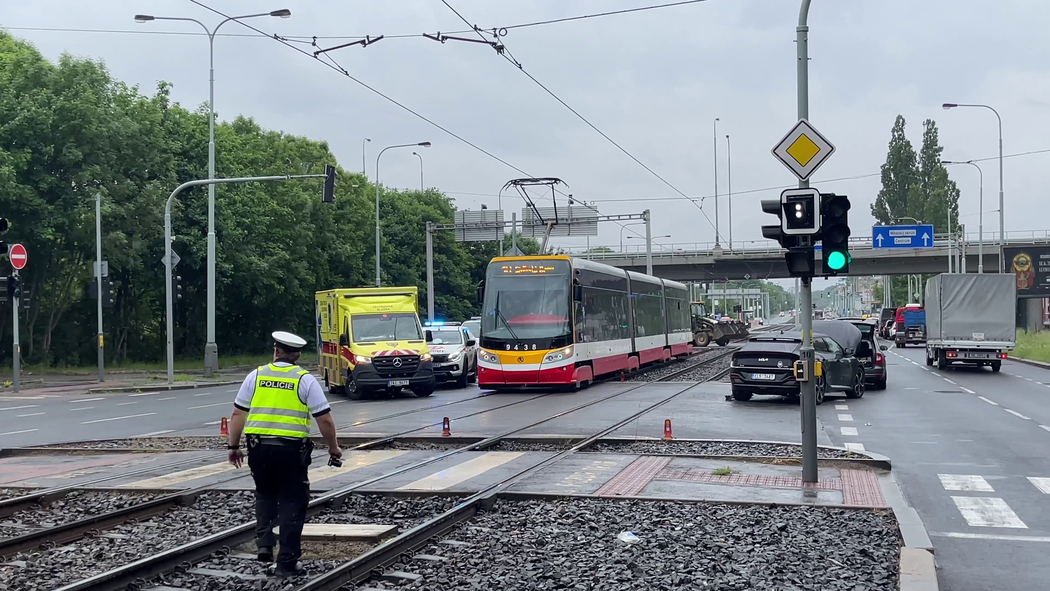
[[434, 323]]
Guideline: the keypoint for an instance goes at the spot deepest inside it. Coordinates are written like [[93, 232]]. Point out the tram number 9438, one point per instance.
[[520, 347]]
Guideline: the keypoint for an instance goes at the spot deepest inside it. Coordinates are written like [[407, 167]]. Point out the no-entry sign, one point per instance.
[[18, 256]]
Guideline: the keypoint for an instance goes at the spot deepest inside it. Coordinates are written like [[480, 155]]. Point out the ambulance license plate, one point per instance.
[[397, 383]]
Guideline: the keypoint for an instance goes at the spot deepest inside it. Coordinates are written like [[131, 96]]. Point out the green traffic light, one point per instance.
[[836, 260]]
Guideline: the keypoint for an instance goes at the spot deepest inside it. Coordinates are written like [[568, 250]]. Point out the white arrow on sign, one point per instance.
[[879, 238], [925, 239]]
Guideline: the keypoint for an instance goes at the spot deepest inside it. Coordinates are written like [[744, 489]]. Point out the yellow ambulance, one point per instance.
[[370, 341]]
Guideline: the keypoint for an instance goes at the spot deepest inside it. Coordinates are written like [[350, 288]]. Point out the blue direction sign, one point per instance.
[[917, 236]]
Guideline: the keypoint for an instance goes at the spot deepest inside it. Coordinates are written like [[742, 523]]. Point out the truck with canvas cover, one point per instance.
[[970, 319], [370, 341]]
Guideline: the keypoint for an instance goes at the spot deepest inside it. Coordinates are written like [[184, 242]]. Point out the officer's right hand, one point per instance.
[[335, 452]]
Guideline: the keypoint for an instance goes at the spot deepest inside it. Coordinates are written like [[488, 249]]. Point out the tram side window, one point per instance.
[[601, 316], [648, 315], [678, 307]]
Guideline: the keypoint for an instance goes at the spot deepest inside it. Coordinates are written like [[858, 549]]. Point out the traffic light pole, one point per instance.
[[16, 382], [98, 283], [808, 387]]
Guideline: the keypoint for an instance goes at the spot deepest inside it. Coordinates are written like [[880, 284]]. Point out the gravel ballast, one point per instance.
[[662, 371], [573, 544], [520, 445], [716, 448], [147, 443], [48, 569], [10, 493], [75, 506], [418, 445], [405, 512]]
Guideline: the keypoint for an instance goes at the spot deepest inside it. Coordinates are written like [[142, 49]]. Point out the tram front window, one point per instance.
[[527, 301]]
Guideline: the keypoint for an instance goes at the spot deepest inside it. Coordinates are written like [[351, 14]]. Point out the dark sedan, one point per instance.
[[869, 351], [764, 364]]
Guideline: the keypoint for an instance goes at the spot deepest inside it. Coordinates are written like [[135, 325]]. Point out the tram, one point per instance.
[[557, 321]]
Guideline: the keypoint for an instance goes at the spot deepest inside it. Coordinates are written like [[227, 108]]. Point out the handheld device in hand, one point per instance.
[[335, 462]]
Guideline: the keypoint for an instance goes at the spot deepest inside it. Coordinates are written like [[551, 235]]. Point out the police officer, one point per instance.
[[273, 408]]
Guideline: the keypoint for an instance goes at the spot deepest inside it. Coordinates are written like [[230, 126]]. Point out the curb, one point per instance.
[[1032, 362], [157, 387], [917, 568]]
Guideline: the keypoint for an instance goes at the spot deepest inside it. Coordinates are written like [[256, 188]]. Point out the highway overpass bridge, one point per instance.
[[764, 259]]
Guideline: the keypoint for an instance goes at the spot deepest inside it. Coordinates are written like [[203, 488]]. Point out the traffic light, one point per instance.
[[107, 293], [4, 227], [176, 287], [834, 234], [14, 287], [798, 212], [328, 193]]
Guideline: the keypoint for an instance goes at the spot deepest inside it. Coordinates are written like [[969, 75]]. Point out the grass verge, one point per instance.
[[1033, 345]]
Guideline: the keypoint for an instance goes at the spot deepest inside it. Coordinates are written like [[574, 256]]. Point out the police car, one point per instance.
[[455, 352]]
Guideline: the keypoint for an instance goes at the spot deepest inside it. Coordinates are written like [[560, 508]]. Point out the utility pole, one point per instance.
[[98, 283]]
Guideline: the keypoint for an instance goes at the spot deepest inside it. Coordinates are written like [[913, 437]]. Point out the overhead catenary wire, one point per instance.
[[372, 89], [502, 51]]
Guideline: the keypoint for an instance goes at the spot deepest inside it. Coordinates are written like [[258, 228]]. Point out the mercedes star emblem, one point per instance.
[[397, 362]]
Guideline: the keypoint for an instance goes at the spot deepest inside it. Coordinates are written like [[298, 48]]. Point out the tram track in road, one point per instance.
[[153, 565]]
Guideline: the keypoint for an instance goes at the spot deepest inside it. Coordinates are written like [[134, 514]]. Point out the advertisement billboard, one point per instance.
[[1030, 267]]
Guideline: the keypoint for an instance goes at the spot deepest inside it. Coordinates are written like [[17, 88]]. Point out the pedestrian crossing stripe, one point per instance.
[[987, 512], [462, 472], [180, 476], [353, 461], [965, 482], [1043, 484]]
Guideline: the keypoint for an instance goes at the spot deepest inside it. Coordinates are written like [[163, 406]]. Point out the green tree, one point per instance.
[[899, 174]]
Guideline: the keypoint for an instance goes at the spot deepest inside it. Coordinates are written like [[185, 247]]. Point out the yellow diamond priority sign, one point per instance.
[[803, 150]]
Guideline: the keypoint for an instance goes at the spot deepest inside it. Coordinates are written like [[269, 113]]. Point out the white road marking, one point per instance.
[[992, 402], [967, 390], [209, 405], [18, 432], [849, 431], [231, 391], [210, 423], [949, 381], [454, 475], [336, 402], [181, 476], [1030, 379], [82, 408], [145, 414], [965, 482], [168, 398], [20, 407], [203, 394], [85, 400], [144, 394], [32, 414], [155, 433], [846, 418], [1044, 427], [841, 407], [911, 388], [1002, 538], [987, 512], [1017, 414], [127, 403], [1043, 484], [855, 446]]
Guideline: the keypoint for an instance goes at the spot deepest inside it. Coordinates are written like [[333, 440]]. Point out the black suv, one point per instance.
[[764, 364]]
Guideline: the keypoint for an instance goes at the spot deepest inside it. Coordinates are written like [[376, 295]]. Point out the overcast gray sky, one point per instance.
[[653, 81]]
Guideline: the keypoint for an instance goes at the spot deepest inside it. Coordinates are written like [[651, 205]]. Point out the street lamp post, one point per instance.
[[364, 169], [980, 216], [624, 227], [714, 125], [1002, 226], [416, 154], [729, 156], [423, 144], [211, 349]]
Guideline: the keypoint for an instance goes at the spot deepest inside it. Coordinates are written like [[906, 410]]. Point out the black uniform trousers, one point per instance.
[[282, 492]]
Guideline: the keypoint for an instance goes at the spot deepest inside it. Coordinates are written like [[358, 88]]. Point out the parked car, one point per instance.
[[764, 364], [869, 352], [455, 352]]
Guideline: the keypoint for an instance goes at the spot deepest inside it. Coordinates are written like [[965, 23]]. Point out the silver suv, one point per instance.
[[455, 351]]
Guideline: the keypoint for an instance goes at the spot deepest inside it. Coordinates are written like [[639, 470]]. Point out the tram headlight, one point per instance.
[[558, 355]]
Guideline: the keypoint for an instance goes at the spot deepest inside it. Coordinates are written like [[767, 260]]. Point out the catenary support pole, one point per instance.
[[809, 396], [430, 271], [648, 243], [513, 233], [99, 342], [16, 381]]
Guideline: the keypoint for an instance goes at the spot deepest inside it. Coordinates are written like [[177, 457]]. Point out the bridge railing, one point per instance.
[[665, 250]]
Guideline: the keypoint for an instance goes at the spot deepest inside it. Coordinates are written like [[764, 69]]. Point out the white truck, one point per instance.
[[970, 319]]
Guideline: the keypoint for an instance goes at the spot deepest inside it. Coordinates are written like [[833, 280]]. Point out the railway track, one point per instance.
[[202, 547]]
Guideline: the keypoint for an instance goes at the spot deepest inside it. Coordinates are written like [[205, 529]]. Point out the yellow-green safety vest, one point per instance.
[[276, 406]]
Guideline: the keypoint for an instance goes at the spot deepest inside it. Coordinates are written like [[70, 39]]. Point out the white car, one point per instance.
[[455, 352]]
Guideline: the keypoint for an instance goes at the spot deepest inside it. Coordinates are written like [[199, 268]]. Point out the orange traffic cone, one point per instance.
[[224, 427], [667, 430], [446, 428]]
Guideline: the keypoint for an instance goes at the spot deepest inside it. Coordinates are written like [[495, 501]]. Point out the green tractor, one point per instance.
[[706, 328]]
